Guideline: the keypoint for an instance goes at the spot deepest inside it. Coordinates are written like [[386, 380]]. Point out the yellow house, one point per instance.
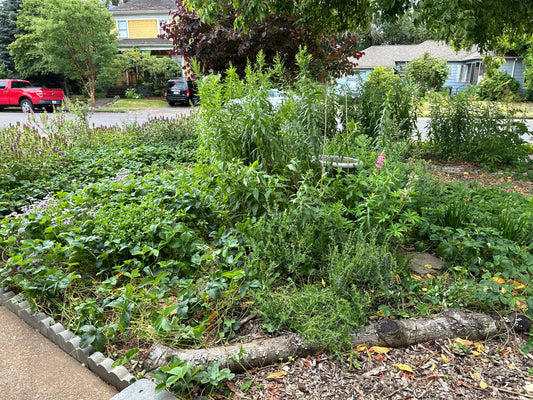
[[138, 22]]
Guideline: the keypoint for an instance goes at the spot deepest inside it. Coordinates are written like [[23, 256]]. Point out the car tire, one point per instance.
[[26, 106], [195, 101], [171, 103], [49, 108]]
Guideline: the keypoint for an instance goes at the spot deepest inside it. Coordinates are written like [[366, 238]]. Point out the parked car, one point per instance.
[[181, 91], [18, 92], [275, 97]]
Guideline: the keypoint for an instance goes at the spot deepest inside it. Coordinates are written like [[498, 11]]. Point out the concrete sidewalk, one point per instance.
[[32, 367]]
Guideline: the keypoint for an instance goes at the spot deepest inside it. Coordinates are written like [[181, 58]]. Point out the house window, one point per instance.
[[122, 29], [463, 71], [160, 24], [401, 67]]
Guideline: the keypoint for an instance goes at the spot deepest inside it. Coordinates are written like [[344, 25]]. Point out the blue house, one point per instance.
[[466, 67]]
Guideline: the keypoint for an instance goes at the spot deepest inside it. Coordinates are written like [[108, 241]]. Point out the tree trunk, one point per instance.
[[451, 323]]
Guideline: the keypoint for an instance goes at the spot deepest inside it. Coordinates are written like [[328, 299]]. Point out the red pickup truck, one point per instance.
[[16, 92]]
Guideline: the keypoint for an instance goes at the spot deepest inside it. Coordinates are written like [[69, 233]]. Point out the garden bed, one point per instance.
[[220, 228]]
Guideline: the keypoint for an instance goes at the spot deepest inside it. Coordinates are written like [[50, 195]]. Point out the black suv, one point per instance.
[[181, 91]]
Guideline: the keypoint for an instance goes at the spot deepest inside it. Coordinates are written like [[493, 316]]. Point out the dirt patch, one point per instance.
[[465, 172]]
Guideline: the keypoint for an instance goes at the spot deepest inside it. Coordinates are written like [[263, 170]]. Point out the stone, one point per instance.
[[425, 263], [143, 389]]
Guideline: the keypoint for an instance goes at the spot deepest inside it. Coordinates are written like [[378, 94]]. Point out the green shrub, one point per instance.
[[328, 309], [499, 86], [482, 134], [291, 242], [428, 72], [316, 313], [131, 93]]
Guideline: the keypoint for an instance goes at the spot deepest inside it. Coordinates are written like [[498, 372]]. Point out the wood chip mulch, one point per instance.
[[444, 369], [465, 172]]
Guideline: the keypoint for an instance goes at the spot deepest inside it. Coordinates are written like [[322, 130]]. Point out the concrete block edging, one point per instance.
[[118, 376]]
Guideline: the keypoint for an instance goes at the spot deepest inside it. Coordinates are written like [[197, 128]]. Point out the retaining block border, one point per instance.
[[118, 376]]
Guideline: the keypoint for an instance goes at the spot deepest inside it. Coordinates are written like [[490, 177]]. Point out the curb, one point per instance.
[[118, 376]]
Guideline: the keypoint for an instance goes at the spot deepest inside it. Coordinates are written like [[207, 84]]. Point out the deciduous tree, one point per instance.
[[8, 30], [72, 37], [461, 23], [218, 45]]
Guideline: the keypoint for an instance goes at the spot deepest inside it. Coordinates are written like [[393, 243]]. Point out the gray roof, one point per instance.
[[143, 5], [389, 55]]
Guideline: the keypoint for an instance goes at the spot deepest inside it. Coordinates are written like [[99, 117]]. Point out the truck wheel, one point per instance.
[[26, 105], [49, 109]]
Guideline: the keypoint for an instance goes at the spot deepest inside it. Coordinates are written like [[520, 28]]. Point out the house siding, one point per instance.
[[465, 66], [451, 81], [140, 29], [515, 68]]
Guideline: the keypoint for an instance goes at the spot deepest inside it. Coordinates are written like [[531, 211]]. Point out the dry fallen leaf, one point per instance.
[[483, 385], [479, 347], [277, 375], [518, 285], [403, 367], [498, 279], [380, 350], [444, 358], [464, 342], [361, 347], [323, 283]]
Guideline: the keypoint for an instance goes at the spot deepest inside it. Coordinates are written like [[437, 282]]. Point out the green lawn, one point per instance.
[[521, 109], [135, 104]]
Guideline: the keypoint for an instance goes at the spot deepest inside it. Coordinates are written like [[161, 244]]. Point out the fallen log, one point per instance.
[[451, 323]]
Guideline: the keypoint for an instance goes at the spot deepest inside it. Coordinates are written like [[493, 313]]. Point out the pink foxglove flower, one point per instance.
[[381, 161]]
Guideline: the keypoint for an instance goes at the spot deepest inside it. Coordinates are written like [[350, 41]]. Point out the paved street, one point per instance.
[[140, 116], [102, 118]]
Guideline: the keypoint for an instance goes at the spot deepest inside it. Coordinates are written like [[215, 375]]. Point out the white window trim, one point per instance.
[[159, 21], [179, 59], [127, 29], [463, 72]]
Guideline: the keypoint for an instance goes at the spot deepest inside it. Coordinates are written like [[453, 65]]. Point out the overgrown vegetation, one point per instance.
[[175, 230], [480, 133]]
